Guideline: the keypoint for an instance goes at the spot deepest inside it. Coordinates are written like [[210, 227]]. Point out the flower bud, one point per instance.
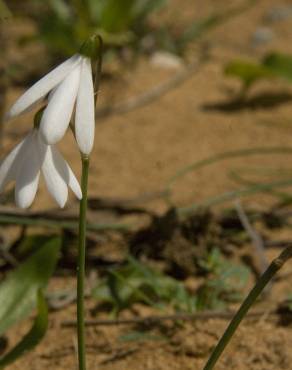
[[91, 47]]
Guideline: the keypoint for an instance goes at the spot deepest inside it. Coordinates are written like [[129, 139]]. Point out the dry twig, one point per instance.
[[255, 237], [150, 320]]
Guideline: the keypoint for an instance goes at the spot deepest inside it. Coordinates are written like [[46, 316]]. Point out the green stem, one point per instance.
[[250, 299], [81, 265]]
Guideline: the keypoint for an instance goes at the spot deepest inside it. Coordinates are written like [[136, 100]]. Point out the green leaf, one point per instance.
[[289, 302], [33, 337], [279, 64], [18, 292], [141, 8], [96, 9], [123, 16], [248, 72], [226, 282], [136, 282], [117, 15], [30, 244], [4, 11], [273, 65], [58, 35], [61, 9], [199, 27], [115, 39]]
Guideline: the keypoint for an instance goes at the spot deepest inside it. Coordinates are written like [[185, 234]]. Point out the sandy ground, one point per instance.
[[138, 152]]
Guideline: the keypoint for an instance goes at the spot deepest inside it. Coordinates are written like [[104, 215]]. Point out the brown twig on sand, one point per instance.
[[257, 240], [119, 355], [150, 320], [130, 205]]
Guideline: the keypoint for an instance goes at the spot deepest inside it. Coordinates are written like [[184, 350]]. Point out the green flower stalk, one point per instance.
[[247, 303], [81, 264], [67, 86], [85, 144]]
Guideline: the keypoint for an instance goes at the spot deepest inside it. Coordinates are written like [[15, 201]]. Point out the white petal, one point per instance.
[[57, 115], [28, 175], [25, 193], [11, 164], [84, 118], [66, 172], [54, 181], [43, 86]]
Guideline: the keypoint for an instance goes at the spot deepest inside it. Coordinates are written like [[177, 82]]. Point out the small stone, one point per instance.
[[278, 13], [261, 36], [166, 60]]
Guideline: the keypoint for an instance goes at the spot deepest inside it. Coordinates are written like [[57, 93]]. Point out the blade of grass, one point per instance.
[[33, 337], [199, 28], [267, 276], [4, 11], [222, 156], [283, 196], [19, 289], [230, 195], [264, 171], [138, 291]]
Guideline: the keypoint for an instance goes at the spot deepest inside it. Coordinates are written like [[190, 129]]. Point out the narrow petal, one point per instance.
[[11, 164], [66, 173], [25, 193], [43, 86], [57, 115], [84, 118], [56, 185], [27, 179]]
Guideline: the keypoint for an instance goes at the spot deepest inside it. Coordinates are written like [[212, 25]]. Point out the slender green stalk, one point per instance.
[[250, 299], [82, 228], [81, 265]]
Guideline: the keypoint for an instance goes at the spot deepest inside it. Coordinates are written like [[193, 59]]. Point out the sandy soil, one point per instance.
[[138, 152]]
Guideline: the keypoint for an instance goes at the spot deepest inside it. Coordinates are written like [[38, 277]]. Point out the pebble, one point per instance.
[[278, 13], [261, 36], [166, 60]]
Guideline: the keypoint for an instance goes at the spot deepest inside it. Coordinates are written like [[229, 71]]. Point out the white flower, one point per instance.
[[24, 164], [70, 82]]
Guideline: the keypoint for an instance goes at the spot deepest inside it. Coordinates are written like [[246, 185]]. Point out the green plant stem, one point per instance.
[[247, 303], [81, 264]]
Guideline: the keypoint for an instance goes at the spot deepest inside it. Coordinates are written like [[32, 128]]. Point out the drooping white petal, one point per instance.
[[66, 172], [84, 118], [55, 183], [57, 115], [28, 174], [11, 164], [43, 86]]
